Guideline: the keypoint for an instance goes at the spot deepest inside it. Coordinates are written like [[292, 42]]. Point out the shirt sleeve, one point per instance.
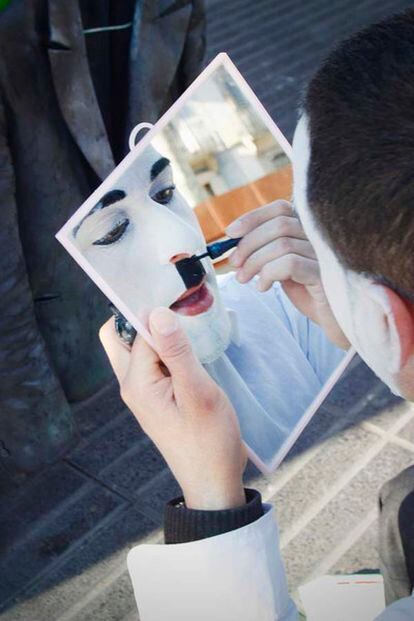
[[182, 525], [236, 576], [323, 355]]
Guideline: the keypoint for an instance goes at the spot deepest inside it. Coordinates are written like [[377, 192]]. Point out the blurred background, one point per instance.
[[225, 159]]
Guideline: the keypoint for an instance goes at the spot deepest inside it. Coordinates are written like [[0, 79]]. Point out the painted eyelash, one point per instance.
[[123, 225]]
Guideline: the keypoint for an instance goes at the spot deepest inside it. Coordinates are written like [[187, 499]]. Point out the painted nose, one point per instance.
[[192, 272], [180, 257]]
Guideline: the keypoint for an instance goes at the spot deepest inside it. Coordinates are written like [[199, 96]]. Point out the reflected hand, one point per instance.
[[184, 412], [275, 248]]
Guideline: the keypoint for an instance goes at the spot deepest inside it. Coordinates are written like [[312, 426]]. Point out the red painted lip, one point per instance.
[[195, 301]]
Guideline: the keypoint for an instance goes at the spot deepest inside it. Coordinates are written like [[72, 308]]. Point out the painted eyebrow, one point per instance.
[[158, 167], [107, 199]]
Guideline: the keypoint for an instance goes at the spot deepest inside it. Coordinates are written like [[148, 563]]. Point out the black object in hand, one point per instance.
[[214, 250], [124, 329]]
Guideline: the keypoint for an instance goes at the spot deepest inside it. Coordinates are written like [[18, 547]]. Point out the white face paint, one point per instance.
[[134, 236], [361, 307]]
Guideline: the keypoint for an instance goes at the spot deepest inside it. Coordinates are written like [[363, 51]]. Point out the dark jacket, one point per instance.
[[54, 151]]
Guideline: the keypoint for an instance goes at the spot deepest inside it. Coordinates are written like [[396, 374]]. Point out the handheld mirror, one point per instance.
[[214, 155]]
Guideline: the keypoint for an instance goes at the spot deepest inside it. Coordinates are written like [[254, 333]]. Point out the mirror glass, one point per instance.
[[214, 155]]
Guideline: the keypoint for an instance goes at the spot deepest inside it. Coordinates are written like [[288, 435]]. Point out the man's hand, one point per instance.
[[182, 410], [275, 248]]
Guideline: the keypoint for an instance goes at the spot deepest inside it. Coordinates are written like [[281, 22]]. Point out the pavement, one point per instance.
[[65, 531]]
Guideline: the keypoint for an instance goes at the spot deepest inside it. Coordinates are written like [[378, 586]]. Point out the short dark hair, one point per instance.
[[360, 106]]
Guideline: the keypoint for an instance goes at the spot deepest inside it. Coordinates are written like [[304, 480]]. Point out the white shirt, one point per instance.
[[276, 368]]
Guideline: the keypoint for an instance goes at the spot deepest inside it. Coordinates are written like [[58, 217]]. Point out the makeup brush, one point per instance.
[[217, 249], [191, 269]]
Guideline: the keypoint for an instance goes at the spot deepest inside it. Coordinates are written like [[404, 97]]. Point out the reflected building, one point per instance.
[[217, 142]]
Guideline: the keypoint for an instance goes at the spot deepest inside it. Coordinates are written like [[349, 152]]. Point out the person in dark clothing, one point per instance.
[[75, 78]]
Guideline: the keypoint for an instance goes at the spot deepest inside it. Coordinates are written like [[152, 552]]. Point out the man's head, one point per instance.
[[354, 191]]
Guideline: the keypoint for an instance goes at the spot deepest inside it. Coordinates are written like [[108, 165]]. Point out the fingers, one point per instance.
[[274, 245], [117, 352], [289, 267], [174, 349], [145, 367], [135, 368], [281, 226], [271, 251], [255, 218]]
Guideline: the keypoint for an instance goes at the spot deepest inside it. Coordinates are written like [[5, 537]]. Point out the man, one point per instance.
[[353, 191], [75, 78]]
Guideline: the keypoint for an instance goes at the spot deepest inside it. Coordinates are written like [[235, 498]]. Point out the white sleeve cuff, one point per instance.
[[236, 576]]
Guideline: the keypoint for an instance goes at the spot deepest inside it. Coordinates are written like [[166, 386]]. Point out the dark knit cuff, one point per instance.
[[182, 525]]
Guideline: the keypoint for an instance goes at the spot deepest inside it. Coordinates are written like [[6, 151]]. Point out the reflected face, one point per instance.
[[135, 235]]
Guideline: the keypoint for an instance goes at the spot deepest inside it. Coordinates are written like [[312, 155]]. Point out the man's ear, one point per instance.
[[398, 323], [403, 315]]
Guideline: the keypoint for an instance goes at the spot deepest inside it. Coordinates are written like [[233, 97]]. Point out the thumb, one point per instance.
[[174, 349]]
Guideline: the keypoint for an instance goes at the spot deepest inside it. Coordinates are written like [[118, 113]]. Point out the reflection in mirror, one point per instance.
[[228, 161], [214, 156]]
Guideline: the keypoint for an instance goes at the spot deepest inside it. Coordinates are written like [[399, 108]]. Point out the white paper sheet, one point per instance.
[[357, 597]]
